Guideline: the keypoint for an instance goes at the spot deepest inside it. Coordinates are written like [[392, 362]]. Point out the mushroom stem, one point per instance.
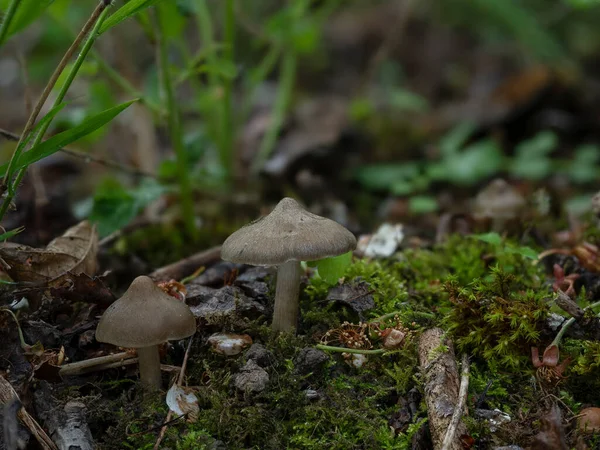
[[285, 316], [149, 361]]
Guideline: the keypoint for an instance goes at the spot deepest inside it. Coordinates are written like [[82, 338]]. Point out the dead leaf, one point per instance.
[[75, 251], [183, 401], [358, 296]]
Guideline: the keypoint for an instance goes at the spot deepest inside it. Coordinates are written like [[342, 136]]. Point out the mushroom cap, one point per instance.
[[145, 316], [288, 233], [499, 200]]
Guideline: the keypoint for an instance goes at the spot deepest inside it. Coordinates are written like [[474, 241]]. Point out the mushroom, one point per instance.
[[288, 235], [144, 317], [499, 203]]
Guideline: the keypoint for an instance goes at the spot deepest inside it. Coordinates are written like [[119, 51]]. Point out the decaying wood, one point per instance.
[[589, 325], [187, 266], [441, 382], [8, 395], [458, 410], [69, 428], [66, 423]]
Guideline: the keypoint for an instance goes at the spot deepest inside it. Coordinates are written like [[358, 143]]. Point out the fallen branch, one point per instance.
[[184, 267], [462, 399], [441, 386], [7, 395]]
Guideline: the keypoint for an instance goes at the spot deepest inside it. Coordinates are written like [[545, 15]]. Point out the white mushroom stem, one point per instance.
[[149, 361], [285, 316]]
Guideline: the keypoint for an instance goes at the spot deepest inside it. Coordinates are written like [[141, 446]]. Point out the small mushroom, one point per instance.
[[499, 203], [288, 235], [144, 317]]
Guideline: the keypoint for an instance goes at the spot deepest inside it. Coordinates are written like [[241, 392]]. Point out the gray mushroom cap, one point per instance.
[[145, 316], [499, 200], [288, 233]]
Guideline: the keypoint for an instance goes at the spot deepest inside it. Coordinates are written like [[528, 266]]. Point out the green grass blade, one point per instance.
[[27, 12], [55, 143], [42, 123], [129, 9], [8, 234]]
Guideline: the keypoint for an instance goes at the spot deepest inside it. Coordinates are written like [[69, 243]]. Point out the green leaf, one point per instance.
[[384, 176], [8, 234], [422, 204], [452, 142], [526, 252], [490, 238], [478, 161], [129, 9], [27, 12], [55, 143], [114, 206], [332, 269]]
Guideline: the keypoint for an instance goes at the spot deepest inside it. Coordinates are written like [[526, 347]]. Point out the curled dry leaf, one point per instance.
[[182, 401], [75, 251]]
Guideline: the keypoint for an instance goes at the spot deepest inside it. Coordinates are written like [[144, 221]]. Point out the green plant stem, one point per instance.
[[115, 76], [8, 17], [93, 24], [329, 348], [206, 29], [286, 85], [24, 345], [174, 123], [568, 323], [226, 132]]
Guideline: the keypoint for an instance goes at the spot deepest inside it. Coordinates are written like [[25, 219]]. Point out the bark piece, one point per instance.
[[441, 382]]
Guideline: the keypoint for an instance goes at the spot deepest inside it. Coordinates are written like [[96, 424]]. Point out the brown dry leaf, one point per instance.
[[552, 432], [75, 251]]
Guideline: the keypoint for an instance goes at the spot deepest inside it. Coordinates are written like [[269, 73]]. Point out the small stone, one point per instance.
[[495, 417], [260, 355], [356, 360], [308, 360], [227, 303], [252, 378], [311, 394], [228, 343]]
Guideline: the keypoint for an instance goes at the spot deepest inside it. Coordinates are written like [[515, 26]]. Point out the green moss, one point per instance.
[[498, 320]]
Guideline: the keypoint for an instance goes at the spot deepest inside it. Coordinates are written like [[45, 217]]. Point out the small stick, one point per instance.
[[163, 430], [460, 405], [180, 269], [100, 363]]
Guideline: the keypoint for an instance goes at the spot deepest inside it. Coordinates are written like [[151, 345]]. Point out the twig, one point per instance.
[[100, 363], [88, 158], [163, 430], [460, 405], [182, 268]]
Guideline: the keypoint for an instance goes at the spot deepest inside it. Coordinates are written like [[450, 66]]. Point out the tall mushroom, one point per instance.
[[144, 317], [288, 235]]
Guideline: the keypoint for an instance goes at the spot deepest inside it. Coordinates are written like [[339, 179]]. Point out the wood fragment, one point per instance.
[[96, 364], [184, 267], [441, 386], [458, 411]]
